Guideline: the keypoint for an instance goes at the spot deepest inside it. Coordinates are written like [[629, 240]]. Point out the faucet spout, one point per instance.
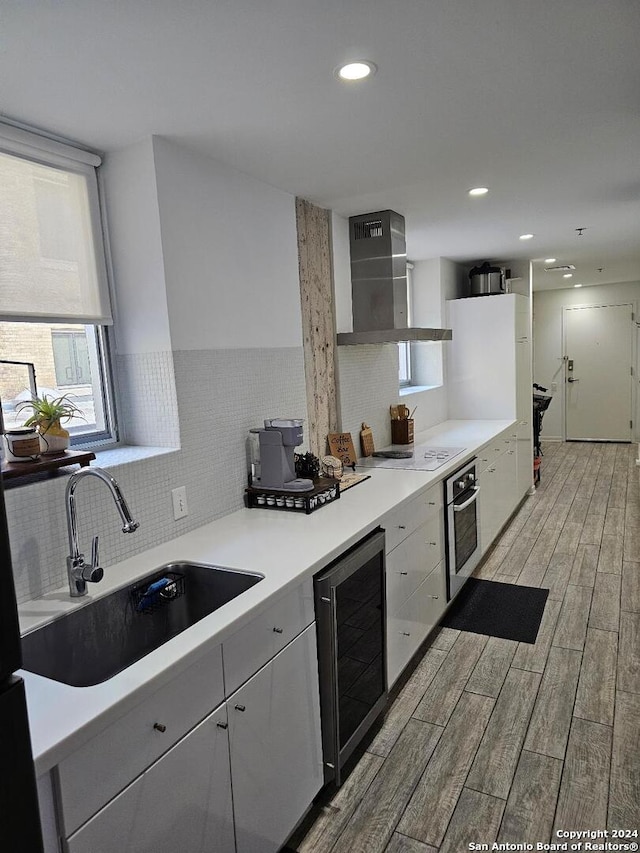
[[78, 571]]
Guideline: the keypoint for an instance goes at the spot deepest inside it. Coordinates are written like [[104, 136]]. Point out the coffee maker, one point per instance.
[[277, 464]]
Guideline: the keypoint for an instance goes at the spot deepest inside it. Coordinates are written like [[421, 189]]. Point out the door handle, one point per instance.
[[571, 379]]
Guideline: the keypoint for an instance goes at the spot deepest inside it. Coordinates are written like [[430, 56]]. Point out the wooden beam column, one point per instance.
[[318, 322]]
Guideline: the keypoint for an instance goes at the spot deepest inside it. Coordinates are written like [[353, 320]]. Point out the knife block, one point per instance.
[[402, 431]]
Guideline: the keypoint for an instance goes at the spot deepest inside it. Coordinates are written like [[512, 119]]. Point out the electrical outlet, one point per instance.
[[179, 498]]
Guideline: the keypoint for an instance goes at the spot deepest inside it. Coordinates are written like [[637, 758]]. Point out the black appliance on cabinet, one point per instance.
[[351, 624], [19, 814]]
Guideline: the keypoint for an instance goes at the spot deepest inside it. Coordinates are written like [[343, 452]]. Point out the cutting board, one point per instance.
[[366, 441]]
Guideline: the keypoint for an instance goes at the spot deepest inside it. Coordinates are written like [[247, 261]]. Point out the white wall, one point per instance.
[[230, 254], [140, 305], [547, 342]]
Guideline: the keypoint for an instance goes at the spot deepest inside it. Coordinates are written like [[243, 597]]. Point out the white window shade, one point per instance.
[[51, 259]]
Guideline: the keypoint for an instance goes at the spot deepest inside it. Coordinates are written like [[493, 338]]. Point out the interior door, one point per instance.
[[598, 359]]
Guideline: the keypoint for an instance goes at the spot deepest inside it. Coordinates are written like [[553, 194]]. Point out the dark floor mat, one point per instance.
[[498, 609]]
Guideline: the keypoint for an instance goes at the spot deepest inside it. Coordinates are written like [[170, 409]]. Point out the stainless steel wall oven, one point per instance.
[[461, 527], [351, 625]]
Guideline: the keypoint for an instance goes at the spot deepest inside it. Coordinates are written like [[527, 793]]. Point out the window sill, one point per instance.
[[416, 389], [124, 454]]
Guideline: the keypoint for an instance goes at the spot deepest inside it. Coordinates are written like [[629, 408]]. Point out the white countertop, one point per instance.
[[285, 547]]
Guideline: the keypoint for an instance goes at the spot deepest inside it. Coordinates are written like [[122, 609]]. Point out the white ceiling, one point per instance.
[[537, 99]]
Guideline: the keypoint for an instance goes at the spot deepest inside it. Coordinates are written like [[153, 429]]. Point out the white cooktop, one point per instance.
[[426, 457]]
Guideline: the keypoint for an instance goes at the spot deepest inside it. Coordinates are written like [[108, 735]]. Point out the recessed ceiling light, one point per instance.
[[479, 191], [550, 260], [577, 285], [568, 275], [526, 236], [356, 70]]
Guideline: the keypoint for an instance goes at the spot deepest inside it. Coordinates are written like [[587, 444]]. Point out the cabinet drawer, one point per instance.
[[97, 771], [415, 619], [410, 563], [256, 643], [401, 522], [496, 448], [183, 802]]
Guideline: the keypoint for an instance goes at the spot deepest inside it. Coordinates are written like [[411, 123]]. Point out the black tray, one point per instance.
[[325, 491]]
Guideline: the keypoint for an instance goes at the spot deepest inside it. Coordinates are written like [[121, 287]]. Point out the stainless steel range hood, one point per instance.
[[379, 283]]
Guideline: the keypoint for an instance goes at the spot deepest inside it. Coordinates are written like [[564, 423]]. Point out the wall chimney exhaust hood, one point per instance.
[[379, 283]]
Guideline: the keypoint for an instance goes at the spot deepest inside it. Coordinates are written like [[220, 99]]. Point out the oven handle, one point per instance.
[[474, 497]]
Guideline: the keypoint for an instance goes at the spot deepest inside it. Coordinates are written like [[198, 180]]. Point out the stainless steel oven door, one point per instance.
[[463, 547]]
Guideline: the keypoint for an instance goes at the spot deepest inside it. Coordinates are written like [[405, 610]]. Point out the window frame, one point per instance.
[[404, 347]]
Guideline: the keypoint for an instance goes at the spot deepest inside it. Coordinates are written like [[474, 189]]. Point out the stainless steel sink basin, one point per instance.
[[95, 642]]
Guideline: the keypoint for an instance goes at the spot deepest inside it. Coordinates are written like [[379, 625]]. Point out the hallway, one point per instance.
[[491, 739]]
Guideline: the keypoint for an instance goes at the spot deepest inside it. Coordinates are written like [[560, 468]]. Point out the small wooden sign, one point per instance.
[[341, 445]]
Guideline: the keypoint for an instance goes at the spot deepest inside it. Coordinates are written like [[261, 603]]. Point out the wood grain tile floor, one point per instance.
[[495, 740]]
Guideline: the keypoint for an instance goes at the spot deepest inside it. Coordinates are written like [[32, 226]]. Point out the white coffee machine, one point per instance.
[[277, 442]]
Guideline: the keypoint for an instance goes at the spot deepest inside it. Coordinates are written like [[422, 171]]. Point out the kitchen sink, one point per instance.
[[99, 640]]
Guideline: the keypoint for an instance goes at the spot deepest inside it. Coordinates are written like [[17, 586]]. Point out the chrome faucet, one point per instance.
[[78, 571]]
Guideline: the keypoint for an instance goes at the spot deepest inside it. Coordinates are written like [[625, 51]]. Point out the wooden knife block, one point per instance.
[[402, 431]]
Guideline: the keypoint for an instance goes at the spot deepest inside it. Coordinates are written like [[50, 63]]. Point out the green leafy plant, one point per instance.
[[49, 410]]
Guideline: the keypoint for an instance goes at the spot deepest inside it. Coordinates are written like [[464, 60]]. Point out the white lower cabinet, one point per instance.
[[276, 750], [182, 803], [499, 486], [410, 625], [238, 781]]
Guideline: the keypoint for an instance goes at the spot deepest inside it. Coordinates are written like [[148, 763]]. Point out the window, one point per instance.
[[54, 300]]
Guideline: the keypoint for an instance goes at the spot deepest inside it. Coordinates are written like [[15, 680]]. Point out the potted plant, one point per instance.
[[48, 414]]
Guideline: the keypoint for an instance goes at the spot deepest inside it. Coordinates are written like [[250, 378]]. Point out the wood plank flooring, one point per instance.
[[495, 740]]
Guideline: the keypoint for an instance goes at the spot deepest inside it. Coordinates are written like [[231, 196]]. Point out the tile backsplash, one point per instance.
[[368, 385], [221, 394], [147, 410]]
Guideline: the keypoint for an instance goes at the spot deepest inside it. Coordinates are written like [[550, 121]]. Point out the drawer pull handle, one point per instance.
[[403, 573], [432, 503], [434, 596], [240, 708], [159, 727], [402, 527], [222, 725], [277, 630], [406, 633], [432, 543]]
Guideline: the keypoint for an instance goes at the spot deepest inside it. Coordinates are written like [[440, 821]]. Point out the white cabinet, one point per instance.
[[276, 751], [183, 802], [490, 369], [410, 563], [132, 743], [413, 620], [267, 634], [415, 578], [173, 775], [498, 480]]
